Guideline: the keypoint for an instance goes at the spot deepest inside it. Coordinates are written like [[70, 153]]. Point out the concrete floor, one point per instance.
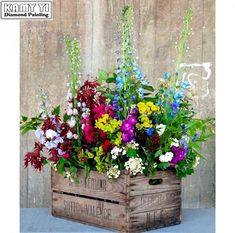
[[41, 220]]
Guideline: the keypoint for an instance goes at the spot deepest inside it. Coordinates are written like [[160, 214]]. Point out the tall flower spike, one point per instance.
[[74, 50], [44, 106], [127, 63], [182, 44]]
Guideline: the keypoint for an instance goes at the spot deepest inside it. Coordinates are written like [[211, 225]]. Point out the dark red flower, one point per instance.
[[66, 155], [83, 159], [54, 155], [87, 93], [107, 146], [35, 158]]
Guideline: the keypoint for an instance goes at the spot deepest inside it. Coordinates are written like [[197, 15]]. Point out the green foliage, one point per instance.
[[163, 166], [27, 125], [56, 110], [102, 76], [131, 152]]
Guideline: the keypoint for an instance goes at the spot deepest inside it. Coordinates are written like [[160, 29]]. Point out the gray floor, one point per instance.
[[40, 220]]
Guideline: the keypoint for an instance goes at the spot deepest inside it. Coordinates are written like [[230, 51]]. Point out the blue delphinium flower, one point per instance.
[[195, 137], [133, 97], [150, 131], [184, 143], [185, 84], [119, 82], [167, 76], [141, 92], [178, 96], [138, 72], [183, 128], [175, 107]]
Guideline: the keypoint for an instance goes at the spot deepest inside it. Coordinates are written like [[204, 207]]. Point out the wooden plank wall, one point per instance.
[[44, 65]]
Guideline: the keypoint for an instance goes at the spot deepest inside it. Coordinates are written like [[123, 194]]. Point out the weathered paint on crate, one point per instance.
[[127, 204]]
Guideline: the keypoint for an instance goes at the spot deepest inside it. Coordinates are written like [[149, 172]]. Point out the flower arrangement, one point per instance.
[[119, 122]]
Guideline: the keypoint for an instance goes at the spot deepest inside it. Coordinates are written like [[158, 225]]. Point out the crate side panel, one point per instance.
[[139, 185], [96, 185], [155, 219], [90, 211], [155, 201]]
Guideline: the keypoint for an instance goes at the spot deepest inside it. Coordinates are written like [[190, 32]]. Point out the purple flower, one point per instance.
[[126, 125], [127, 129], [179, 154], [125, 137], [132, 120]]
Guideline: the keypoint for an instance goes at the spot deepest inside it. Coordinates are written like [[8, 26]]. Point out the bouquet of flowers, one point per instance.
[[119, 122]]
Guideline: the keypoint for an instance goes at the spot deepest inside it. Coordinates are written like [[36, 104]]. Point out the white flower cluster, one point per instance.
[[160, 129], [53, 165], [50, 138], [113, 172], [115, 152], [196, 162], [167, 157], [68, 175], [134, 165], [132, 144]]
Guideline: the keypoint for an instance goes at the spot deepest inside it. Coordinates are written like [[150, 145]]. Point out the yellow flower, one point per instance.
[[108, 124], [147, 124], [117, 141]]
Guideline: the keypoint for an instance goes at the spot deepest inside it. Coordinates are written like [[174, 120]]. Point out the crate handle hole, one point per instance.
[[155, 181]]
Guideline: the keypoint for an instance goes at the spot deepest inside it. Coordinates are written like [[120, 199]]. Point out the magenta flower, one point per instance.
[[179, 154], [127, 129]]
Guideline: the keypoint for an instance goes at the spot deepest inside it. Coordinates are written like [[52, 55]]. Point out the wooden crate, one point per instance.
[[127, 204]]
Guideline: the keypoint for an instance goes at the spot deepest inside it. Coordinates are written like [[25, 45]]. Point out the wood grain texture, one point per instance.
[[113, 205], [44, 64], [90, 211], [96, 186]]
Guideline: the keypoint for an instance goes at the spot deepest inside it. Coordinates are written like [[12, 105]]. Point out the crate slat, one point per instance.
[[127, 204], [96, 185], [91, 211]]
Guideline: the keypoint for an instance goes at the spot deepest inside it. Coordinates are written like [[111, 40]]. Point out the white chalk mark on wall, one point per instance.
[[192, 76]]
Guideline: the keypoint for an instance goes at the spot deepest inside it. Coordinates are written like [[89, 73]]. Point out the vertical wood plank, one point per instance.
[[157, 24]]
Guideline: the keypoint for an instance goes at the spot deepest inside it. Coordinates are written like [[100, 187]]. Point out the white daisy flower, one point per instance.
[[167, 157]]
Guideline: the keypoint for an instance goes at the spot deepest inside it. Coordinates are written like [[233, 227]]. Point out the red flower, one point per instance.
[[66, 155], [35, 158], [89, 133], [54, 155], [83, 159], [107, 146]]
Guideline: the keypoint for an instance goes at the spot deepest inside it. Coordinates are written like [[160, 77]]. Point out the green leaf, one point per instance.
[[158, 153], [102, 75], [24, 118], [131, 152], [60, 166], [111, 80], [66, 117], [163, 166], [148, 88], [56, 110]]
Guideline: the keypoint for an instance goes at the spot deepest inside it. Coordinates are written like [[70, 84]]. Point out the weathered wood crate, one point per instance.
[[127, 204]]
